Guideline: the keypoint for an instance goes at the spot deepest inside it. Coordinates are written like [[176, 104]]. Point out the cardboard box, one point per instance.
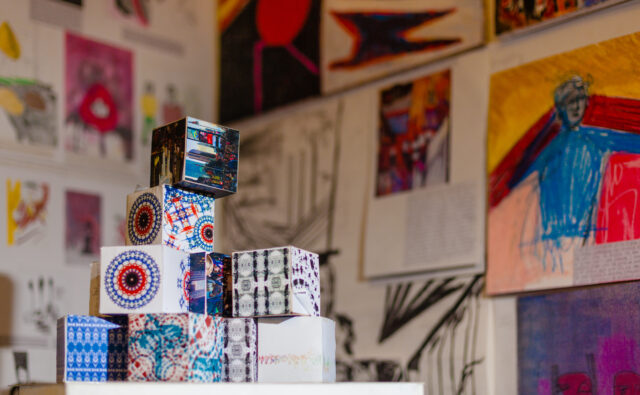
[[210, 291], [296, 349], [175, 347], [91, 348], [195, 155], [144, 279], [170, 216], [240, 353], [276, 281]]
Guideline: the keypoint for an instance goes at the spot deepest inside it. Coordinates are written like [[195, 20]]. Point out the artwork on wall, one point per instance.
[[83, 224], [99, 95], [160, 104], [413, 135], [269, 54], [513, 15], [30, 108], [563, 142], [367, 39], [575, 342], [27, 211]]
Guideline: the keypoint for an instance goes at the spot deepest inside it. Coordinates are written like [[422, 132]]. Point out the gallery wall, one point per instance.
[[64, 185]]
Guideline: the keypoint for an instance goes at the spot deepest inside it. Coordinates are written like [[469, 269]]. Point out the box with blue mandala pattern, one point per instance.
[[91, 348], [170, 216], [144, 279], [175, 347]]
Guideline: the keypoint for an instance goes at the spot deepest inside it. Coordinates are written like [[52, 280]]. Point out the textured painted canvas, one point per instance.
[[563, 144], [276, 281], [240, 354], [296, 349], [144, 279], [514, 15], [413, 136], [171, 216], [367, 39], [196, 155], [99, 99], [175, 347], [83, 227], [269, 54], [580, 342], [31, 108], [91, 348]]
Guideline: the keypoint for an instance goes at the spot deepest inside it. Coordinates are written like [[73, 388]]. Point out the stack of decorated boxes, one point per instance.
[[165, 307]]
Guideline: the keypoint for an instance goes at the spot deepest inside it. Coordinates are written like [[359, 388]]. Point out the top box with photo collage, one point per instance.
[[167, 307]]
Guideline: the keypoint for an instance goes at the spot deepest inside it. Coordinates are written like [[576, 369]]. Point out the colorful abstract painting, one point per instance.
[[30, 107], [269, 54], [578, 343], [563, 152], [98, 98], [413, 137], [27, 211], [512, 15], [367, 39], [82, 227]]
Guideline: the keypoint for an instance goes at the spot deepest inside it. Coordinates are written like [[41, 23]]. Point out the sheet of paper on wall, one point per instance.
[[512, 16], [421, 217], [563, 146], [368, 39]]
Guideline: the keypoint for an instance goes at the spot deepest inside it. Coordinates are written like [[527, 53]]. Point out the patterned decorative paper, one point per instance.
[[195, 155], [92, 348], [170, 216], [240, 354], [143, 279], [175, 347], [276, 281]]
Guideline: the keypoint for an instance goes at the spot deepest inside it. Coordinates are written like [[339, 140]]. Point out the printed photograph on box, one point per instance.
[[515, 15], [413, 135], [196, 155], [83, 216], [175, 347], [218, 291], [99, 99], [585, 341], [563, 144]]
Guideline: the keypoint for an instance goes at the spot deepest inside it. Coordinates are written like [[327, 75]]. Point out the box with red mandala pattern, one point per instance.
[[175, 347], [144, 279], [170, 216]]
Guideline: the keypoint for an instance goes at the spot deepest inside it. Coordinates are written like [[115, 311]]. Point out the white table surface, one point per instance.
[[79, 388]]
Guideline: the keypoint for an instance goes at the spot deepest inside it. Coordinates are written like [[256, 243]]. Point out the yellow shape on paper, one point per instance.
[[8, 42], [13, 201], [149, 105], [520, 96], [11, 102]]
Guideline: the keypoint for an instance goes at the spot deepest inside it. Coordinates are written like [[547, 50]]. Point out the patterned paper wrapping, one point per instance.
[[143, 279], [240, 354], [276, 281], [91, 348], [170, 216], [175, 347]]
